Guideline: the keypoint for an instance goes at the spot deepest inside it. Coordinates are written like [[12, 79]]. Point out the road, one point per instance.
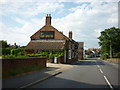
[[90, 73]]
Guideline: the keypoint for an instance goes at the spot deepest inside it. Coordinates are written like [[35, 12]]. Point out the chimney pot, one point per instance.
[[48, 20]]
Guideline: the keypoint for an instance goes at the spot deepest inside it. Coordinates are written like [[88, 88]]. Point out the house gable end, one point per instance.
[[57, 35]]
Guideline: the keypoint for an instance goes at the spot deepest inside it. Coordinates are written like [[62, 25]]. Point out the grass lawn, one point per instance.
[[21, 71]]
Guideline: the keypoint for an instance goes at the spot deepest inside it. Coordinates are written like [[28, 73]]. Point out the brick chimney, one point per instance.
[[70, 35], [48, 20]]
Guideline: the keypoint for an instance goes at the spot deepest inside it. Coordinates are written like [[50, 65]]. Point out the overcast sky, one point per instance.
[[85, 18]]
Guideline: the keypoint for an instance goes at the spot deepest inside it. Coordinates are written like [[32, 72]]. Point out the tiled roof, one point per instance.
[[45, 45], [57, 31]]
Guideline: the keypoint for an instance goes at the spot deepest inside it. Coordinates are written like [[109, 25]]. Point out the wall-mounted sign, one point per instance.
[[46, 34]]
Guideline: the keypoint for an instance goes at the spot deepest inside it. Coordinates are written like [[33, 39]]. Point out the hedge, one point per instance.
[[49, 54], [19, 53], [10, 51]]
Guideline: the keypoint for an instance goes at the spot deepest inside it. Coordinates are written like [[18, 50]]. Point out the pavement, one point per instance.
[[27, 80], [60, 67]]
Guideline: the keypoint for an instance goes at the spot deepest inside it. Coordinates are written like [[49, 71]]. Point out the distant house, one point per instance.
[[93, 52], [49, 38]]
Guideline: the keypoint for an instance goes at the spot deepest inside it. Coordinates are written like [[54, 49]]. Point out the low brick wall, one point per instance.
[[59, 60], [17, 63], [49, 60], [72, 60]]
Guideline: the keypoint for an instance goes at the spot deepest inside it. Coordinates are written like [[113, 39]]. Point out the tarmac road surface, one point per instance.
[[90, 73]]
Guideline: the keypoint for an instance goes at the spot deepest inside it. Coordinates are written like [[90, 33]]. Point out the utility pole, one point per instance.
[[110, 50], [110, 46]]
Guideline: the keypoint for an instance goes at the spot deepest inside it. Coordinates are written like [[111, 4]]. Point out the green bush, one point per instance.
[[13, 56], [18, 51], [34, 55], [104, 56], [8, 56], [11, 51], [117, 55], [48, 54], [6, 51]]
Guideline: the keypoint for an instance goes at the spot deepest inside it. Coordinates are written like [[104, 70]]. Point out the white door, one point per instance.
[[55, 60]]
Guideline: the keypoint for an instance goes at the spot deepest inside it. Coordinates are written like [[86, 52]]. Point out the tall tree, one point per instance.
[[4, 44], [110, 42]]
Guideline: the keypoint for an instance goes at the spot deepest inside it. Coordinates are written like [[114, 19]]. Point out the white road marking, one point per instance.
[[98, 66], [108, 82], [101, 71], [104, 76]]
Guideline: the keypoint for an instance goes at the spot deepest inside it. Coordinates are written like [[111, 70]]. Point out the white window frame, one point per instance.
[[69, 54]]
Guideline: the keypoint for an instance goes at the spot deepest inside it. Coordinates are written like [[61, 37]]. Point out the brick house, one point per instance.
[[80, 50], [93, 52], [49, 38]]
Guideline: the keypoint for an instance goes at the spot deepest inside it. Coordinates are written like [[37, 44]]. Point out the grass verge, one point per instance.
[[21, 70], [113, 60]]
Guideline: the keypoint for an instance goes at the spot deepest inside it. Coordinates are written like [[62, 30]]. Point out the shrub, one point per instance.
[[33, 55], [48, 54], [6, 51], [104, 56], [13, 56], [18, 51], [117, 55], [10, 51], [8, 56]]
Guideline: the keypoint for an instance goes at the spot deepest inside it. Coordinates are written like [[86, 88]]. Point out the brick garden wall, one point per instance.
[[60, 60], [17, 63], [71, 60]]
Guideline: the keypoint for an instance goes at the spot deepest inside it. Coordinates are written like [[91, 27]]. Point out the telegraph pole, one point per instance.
[[110, 50]]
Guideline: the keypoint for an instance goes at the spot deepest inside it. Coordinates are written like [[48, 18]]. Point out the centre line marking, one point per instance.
[[108, 82], [104, 77], [98, 66], [101, 71]]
